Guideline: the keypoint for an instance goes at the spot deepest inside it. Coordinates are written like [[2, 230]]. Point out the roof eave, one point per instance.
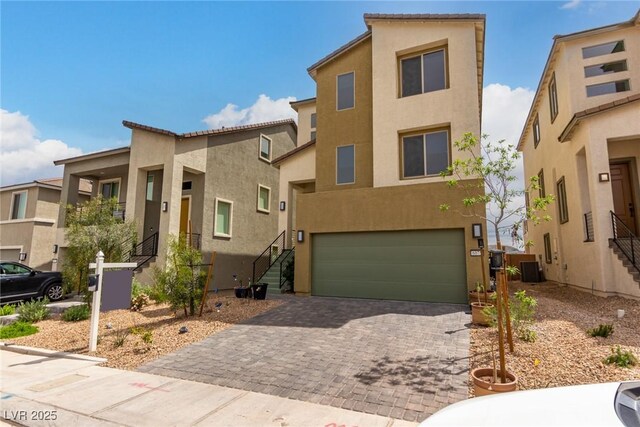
[[91, 156]]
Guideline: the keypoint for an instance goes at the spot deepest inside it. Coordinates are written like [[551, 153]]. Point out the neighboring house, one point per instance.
[[28, 221], [362, 191], [582, 139], [219, 182]]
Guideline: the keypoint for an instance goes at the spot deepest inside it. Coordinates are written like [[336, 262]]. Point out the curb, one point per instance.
[[48, 353]]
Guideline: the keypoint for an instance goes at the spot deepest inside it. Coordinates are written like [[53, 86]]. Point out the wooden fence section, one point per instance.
[[515, 259]]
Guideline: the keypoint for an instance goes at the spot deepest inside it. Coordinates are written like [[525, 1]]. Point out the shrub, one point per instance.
[[603, 330], [157, 293], [76, 313], [137, 288], [623, 359], [147, 337], [138, 302], [120, 337], [289, 272], [8, 309], [18, 329], [522, 310], [34, 311]]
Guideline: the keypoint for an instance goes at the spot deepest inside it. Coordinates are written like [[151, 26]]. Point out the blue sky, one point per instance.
[[71, 72]]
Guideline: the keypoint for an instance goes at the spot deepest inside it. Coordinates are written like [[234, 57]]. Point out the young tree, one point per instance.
[[183, 278], [93, 227]]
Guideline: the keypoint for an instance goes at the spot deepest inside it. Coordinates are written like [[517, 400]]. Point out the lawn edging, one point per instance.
[[48, 353]]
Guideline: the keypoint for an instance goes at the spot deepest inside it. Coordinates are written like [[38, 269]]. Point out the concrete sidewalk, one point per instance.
[[45, 389]]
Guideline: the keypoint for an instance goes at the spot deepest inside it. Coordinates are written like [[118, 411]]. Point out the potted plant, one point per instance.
[[240, 290], [259, 290], [487, 295], [478, 315], [488, 381]]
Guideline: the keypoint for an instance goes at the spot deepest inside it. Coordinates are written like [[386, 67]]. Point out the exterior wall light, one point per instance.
[[55, 249], [165, 206], [283, 205], [603, 177], [300, 236], [23, 256], [476, 231]]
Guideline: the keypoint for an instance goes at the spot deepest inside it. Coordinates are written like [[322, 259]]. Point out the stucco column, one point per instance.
[[136, 193], [171, 194], [68, 196]]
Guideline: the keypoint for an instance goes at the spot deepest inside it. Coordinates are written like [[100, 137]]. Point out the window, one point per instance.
[[553, 97], [346, 164], [149, 187], [536, 132], [423, 73], [425, 154], [19, 205], [186, 185], [264, 198], [603, 49], [541, 190], [562, 201], [346, 91], [265, 148], [110, 189], [547, 248], [10, 268], [313, 135], [609, 87], [606, 68], [313, 120], [223, 218]]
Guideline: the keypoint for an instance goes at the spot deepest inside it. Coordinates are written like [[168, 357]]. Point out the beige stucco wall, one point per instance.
[[455, 107], [304, 122], [410, 207], [345, 127]]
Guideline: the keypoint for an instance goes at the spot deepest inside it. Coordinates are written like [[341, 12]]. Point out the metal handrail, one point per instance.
[[145, 250], [265, 260], [624, 238], [286, 257]]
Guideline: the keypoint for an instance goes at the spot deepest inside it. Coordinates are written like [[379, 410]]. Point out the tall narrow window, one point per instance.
[[536, 132], [345, 164], [265, 148], [149, 186], [223, 218], [562, 201], [346, 91], [313, 126], [110, 189], [19, 205], [541, 190], [553, 98], [426, 72], [547, 249], [264, 198], [425, 154]]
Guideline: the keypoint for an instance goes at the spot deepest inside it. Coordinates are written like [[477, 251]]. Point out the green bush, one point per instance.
[[522, 309], [147, 337], [34, 311], [603, 330], [8, 309], [289, 272], [139, 302], [76, 313], [623, 359], [120, 337], [18, 329]]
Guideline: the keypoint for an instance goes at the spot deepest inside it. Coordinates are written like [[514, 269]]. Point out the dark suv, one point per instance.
[[19, 282]]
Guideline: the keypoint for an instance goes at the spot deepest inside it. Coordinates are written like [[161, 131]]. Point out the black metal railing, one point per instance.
[[144, 250], [283, 265], [628, 242], [266, 259], [588, 227], [194, 240]]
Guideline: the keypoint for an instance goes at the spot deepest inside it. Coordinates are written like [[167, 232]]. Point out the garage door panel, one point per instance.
[[426, 265]]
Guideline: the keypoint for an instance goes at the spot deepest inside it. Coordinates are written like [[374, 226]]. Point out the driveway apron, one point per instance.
[[399, 359]]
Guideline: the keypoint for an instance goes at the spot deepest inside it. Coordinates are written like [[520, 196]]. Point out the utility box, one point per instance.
[[530, 272]]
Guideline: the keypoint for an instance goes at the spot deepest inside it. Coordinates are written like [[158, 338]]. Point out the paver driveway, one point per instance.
[[400, 359]]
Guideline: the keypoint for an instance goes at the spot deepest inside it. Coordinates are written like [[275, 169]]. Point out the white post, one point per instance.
[[95, 306]]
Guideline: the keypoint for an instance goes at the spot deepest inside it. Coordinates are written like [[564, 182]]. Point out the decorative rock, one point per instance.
[[109, 325], [184, 330]]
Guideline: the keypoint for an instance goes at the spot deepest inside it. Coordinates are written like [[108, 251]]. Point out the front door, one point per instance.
[[622, 195], [184, 215]]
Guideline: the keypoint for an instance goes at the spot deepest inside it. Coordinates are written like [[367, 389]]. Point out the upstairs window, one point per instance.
[[541, 190], [603, 49], [110, 189], [346, 164], [547, 249], [425, 154], [536, 132], [346, 96], [265, 148], [264, 198], [553, 98], [562, 201], [19, 205], [313, 126], [423, 73], [607, 88], [223, 217], [606, 68]]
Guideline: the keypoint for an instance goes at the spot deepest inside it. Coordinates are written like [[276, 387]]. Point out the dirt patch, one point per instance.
[[567, 355], [164, 326]]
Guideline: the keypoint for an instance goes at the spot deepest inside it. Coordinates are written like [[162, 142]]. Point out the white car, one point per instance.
[[609, 404]]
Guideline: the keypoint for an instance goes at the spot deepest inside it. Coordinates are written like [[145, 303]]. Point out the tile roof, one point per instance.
[[295, 104], [339, 51], [293, 152], [423, 16], [85, 184], [220, 131], [581, 115]]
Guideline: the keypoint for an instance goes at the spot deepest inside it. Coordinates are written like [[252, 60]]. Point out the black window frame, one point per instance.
[[536, 131], [563, 209], [553, 98], [541, 191], [548, 256]]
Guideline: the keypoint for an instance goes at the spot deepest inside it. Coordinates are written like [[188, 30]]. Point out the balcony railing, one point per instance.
[[118, 210], [588, 227]]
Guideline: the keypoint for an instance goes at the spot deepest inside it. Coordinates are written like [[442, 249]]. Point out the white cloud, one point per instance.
[[504, 111], [571, 4], [264, 109], [24, 157]]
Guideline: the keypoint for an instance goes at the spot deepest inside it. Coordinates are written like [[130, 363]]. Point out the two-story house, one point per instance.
[[218, 186], [28, 220], [582, 139], [360, 195]]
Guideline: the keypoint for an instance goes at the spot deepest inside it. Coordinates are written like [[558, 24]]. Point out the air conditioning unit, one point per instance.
[[529, 271]]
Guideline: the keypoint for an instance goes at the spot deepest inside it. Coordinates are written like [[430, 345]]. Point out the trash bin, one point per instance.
[[259, 290]]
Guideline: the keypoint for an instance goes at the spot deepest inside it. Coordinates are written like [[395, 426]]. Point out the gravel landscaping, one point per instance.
[[567, 355], [148, 334]]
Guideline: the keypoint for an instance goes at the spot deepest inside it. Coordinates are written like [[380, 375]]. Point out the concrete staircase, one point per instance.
[[272, 276], [635, 274]]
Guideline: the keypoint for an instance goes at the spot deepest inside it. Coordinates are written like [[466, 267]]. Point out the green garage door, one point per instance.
[[424, 265]]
